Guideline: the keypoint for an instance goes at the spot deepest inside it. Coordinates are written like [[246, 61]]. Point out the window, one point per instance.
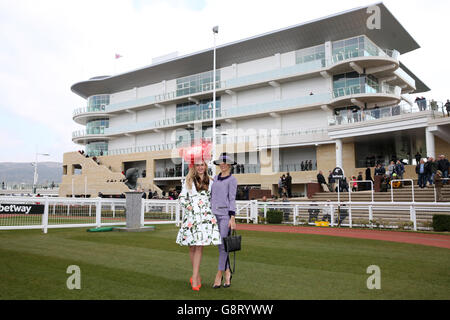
[[197, 83], [353, 83], [310, 54], [353, 47], [97, 126], [190, 111], [98, 102]]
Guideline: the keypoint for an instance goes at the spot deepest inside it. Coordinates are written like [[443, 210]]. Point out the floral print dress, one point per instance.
[[199, 226]]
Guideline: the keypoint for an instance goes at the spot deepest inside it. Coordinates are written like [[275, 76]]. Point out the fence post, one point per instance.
[[265, 213], [370, 216], [255, 211], [392, 192], [350, 214], [412, 216], [295, 214], [332, 214], [142, 213], [45, 217], [98, 213], [177, 214]]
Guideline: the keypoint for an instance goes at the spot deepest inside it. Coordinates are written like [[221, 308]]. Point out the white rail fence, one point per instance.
[[406, 215], [99, 212], [80, 212]]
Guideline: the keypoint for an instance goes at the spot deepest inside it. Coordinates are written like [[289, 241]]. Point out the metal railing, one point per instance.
[[357, 184], [401, 182], [357, 214], [73, 213], [80, 212], [348, 117], [434, 185]]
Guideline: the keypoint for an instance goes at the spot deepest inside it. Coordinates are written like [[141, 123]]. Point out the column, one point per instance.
[[339, 153], [429, 140]]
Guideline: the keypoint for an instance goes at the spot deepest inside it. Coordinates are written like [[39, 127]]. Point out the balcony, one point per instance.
[[365, 93], [238, 112], [364, 54], [83, 115], [282, 74], [380, 120], [92, 134]]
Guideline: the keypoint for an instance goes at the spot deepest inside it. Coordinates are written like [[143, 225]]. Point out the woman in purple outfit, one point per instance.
[[223, 205]]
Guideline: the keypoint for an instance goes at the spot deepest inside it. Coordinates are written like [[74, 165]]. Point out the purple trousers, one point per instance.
[[223, 221]]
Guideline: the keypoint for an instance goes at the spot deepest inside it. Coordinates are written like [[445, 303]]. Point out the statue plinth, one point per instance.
[[133, 213]]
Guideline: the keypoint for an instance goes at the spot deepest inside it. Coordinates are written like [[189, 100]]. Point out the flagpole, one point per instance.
[[215, 31]]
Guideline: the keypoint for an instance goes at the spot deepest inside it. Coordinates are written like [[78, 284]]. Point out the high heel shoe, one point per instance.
[[218, 286], [197, 288], [228, 285]]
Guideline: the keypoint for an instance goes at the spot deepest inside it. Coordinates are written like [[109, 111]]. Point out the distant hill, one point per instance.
[[23, 172]]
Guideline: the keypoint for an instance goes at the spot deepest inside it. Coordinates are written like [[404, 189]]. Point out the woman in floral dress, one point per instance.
[[199, 227]]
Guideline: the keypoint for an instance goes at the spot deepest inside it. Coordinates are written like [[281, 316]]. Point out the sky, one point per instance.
[[46, 46]]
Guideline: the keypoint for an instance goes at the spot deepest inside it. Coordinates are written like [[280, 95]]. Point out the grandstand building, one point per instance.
[[329, 92]]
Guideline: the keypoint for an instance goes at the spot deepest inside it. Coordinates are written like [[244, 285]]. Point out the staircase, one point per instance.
[[99, 179]]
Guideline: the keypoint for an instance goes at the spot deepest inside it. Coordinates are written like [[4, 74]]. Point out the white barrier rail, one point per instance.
[[348, 213], [81, 212]]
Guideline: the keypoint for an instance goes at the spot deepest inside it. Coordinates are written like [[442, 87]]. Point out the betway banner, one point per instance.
[[21, 208]]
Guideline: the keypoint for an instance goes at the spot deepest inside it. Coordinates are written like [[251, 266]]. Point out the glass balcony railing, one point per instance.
[[314, 99], [79, 111], [268, 136], [155, 147], [294, 167], [361, 89], [232, 112], [343, 56], [274, 74], [406, 77], [348, 117], [369, 49], [87, 132], [224, 139]]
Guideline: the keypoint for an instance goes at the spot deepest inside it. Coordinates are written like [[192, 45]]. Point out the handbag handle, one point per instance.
[[232, 232]]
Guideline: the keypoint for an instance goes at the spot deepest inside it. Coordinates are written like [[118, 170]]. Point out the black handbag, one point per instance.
[[232, 243]]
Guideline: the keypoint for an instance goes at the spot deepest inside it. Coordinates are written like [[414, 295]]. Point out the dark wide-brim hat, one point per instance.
[[225, 158]]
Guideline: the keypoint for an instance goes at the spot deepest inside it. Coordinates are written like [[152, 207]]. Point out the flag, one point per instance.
[[118, 56]]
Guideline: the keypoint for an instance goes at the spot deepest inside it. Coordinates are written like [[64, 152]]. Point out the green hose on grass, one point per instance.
[[101, 229]]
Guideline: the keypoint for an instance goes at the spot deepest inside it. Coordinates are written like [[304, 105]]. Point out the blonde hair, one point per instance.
[[193, 176]]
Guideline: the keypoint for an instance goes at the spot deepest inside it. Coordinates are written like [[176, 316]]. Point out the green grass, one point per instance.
[[150, 265]]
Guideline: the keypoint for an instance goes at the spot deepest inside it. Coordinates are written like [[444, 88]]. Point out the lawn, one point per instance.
[[150, 265]]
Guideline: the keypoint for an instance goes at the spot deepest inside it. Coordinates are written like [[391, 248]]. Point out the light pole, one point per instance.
[[35, 180], [215, 31]]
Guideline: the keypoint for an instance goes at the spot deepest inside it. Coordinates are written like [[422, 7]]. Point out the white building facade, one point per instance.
[[311, 97]]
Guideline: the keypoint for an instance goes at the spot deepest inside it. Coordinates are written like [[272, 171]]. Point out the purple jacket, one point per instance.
[[223, 195]]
